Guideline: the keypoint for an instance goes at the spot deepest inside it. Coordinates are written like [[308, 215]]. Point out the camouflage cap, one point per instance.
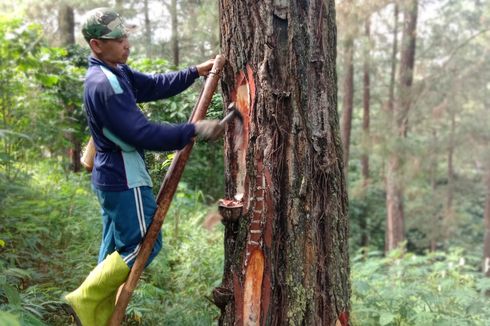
[[103, 23]]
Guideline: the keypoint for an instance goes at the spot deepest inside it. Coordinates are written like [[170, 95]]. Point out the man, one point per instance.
[[121, 132]]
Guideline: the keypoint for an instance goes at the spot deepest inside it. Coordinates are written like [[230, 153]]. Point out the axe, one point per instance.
[[233, 112]]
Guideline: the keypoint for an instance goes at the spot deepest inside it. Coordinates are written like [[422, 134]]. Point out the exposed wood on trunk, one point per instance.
[[253, 288], [286, 258]]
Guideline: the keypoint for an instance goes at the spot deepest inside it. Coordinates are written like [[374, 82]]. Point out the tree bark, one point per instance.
[[395, 229], [366, 97], [286, 256]]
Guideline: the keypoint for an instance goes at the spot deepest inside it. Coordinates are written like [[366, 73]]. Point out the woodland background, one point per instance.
[[49, 218]]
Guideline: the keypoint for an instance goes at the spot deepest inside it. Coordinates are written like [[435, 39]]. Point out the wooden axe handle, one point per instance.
[[166, 193]]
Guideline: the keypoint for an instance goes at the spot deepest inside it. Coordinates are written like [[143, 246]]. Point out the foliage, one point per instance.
[[49, 230], [408, 289], [50, 223], [58, 219], [40, 95]]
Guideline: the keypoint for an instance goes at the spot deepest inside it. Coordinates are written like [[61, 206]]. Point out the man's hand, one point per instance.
[[204, 68], [209, 129]]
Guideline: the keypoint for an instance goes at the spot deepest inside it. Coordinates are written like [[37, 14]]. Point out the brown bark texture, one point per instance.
[[395, 228], [286, 254]]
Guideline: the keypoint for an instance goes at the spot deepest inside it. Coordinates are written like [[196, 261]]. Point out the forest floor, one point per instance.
[[49, 239]]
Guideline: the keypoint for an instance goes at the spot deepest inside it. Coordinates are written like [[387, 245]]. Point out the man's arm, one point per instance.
[[126, 121], [160, 86]]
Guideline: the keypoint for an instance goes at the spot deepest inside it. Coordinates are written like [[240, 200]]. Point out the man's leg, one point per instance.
[[93, 301], [107, 245], [130, 229], [130, 213]]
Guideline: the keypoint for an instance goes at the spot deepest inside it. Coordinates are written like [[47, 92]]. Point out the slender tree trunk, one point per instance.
[[486, 239], [432, 175], [119, 6], [148, 31], [391, 96], [175, 35], [448, 218], [365, 132], [395, 228], [66, 27], [286, 257], [348, 85]]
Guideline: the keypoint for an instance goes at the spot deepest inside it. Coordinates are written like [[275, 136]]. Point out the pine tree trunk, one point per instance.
[[395, 228], [175, 36], [66, 24], [435, 214], [120, 7], [148, 32], [394, 51], [66, 27], [286, 257], [366, 97], [448, 216], [486, 240], [348, 99]]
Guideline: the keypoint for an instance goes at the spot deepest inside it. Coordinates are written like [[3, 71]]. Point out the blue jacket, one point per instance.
[[120, 130]]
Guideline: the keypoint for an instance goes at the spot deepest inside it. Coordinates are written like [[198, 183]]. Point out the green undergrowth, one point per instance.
[[407, 289], [50, 233], [49, 238]]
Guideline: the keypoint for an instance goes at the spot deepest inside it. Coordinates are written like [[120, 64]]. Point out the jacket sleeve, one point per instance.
[[149, 87], [125, 120]]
